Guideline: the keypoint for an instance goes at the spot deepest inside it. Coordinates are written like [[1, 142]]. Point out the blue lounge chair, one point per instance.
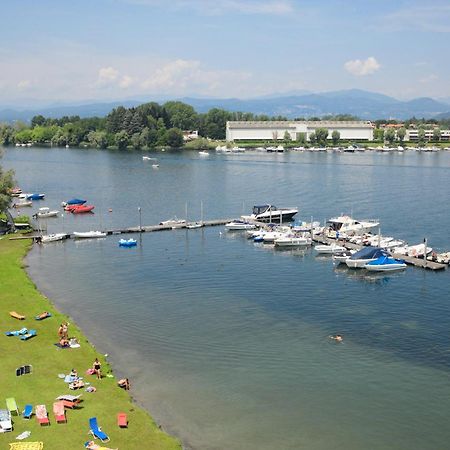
[[29, 335], [17, 332], [96, 431], [43, 316], [27, 412]]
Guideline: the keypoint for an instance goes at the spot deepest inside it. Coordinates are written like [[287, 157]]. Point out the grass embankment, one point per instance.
[[17, 292]]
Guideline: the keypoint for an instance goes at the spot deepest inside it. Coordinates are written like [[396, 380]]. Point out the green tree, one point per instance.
[[23, 136], [436, 134], [321, 136], [213, 123], [174, 138], [401, 133], [287, 137], [121, 140], [336, 137], [6, 134], [312, 138], [301, 138], [181, 115], [389, 135], [6, 184], [38, 120], [98, 139], [421, 136], [378, 134]]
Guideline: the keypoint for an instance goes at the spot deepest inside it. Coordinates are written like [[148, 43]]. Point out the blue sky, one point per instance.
[[61, 50]]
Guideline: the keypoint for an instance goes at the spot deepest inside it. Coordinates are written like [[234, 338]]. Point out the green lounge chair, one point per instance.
[[12, 405]]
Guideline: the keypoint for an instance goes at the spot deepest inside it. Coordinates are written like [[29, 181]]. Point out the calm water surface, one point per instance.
[[226, 342]]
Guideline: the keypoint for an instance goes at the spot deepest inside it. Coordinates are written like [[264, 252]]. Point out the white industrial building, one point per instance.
[[276, 130]]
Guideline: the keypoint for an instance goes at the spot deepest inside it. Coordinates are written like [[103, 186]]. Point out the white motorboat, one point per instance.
[[385, 264], [194, 225], [148, 158], [53, 237], [89, 234], [177, 223], [23, 204], [270, 213], [293, 241], [45, 212], [340, 258], [203, 153], [237, 225], [155, 166], [412, 250], [348, 225], [329, 249]]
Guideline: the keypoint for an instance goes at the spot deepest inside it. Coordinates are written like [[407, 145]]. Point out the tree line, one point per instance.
[[153, 125]]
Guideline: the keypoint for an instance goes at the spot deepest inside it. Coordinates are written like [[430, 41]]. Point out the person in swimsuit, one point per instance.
[[97, 368]]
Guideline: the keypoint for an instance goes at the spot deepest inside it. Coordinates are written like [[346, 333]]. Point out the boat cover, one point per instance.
[[369, 253], [385, 260], [76, 201]]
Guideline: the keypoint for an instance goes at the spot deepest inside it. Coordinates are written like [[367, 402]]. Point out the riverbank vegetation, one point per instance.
[[152, 125], [43, 385]]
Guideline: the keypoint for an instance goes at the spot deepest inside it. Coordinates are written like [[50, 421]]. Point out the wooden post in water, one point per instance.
[[140, 220], [425, 252]]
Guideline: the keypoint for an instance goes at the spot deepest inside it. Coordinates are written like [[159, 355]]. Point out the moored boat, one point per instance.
[[35, 196], [53, 237], [293, 241], [364, 256], [88, 234], [385, 264], [175, 222], [237, 225], [44, 213], [80, 209], [127, 243], [270, 213], [23, 204], [74, 201], [329, 249]]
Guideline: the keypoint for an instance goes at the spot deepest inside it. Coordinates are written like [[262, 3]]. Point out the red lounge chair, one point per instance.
[[41, 415], [122, 420], [59, 412]]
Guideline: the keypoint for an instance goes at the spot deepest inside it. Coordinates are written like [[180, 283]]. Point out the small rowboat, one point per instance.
[[45, 212], [80, 209], [23, 204], [127, 243], [88, 234]]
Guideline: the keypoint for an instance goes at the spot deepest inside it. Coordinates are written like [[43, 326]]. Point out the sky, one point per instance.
[[74, 51]]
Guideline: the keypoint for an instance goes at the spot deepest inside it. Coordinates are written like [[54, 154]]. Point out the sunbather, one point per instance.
[[91, 445], [124, 383], [64, 342], [78, 384]]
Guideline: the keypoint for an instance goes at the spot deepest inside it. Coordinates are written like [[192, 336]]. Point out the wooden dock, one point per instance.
[[411, 260]]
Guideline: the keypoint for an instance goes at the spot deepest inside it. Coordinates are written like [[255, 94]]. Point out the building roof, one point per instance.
[[292, 124]]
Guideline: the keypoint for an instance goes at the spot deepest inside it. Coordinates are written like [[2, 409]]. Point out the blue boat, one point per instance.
[[76, 201], [385, 264], [127, 243], [35, 196]]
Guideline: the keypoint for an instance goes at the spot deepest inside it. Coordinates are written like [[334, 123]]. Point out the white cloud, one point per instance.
[[107, 75], [361, 68], [435, 18], [23, 85], [126, 82], [184, 76]]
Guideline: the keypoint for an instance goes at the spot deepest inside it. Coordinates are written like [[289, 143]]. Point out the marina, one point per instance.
[[267, 375]]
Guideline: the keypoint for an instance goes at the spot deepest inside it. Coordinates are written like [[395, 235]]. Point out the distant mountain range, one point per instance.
[[363, 104]]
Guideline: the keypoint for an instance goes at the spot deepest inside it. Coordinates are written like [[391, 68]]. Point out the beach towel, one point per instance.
[[43, 316], [26, 446], [24, 435]]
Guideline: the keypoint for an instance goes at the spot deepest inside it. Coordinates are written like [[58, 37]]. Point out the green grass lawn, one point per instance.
[[17, 292]]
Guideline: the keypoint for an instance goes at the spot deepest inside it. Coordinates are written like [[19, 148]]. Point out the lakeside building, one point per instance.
[[189, 135], [412, 134], [276, 130]]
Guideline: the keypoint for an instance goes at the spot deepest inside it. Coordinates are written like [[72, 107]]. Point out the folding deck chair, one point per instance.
[[22, 370], [16, 315], [12, 405], [69, 401], [59, 412], [41, 415], [27, 412], [96, 431]]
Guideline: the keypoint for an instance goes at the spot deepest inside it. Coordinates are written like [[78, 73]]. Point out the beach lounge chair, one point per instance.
[[17, 332], [43, 316], [27, 412], [122, 420], [96, 431], [41, 415], [16, 315], [5, 420], [70, 401], [12, 405], [30, 334], [59, 412]]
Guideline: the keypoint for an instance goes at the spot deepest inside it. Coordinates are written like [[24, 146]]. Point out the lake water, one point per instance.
[[226, 342]]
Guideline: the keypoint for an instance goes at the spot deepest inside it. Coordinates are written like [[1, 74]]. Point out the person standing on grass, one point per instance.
[[97, 368]]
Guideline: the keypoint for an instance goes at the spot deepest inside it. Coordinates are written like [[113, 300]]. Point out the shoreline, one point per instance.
[[104, 403]]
